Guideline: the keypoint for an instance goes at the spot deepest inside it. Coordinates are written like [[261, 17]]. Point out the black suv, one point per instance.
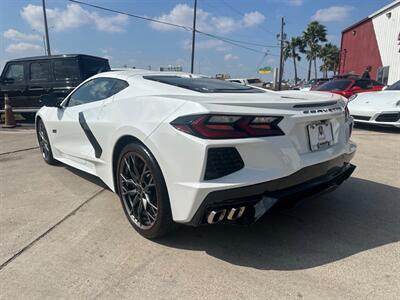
[[26, 79]]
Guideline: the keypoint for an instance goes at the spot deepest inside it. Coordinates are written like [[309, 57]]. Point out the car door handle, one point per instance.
[[36, 88]]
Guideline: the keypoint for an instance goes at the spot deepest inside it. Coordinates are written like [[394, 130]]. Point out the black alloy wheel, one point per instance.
[[44, 144], [143, 192]]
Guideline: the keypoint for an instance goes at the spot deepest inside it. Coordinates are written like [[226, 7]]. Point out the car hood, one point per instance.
[[376, 100]]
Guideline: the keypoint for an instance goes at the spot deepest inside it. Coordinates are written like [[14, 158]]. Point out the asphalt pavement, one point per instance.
[[63, 234]]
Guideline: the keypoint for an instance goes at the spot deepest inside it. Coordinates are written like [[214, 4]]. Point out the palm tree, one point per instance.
[[291, 51], [329, 55], [312, 36]]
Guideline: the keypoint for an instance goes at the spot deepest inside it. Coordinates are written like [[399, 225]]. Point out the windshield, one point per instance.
[[336, 85], [394, 87], [203, 85]]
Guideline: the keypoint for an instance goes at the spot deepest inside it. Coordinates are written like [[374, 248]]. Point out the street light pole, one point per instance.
[[193, 35], [46, 30], [282, 37]]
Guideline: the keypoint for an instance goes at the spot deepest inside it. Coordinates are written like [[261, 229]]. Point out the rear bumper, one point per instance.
[[281, 192]]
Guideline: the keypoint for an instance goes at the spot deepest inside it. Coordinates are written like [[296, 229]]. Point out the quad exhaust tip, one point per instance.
[[236, 213], [216, 216]]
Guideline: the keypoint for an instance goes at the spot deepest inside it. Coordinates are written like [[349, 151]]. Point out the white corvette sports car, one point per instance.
[[193, 150], [377, 108]]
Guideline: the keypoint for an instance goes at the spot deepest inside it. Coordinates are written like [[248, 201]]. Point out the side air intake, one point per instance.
[[222, 161]]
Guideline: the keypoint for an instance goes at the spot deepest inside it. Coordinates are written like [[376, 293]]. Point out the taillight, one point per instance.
[[228, 126]]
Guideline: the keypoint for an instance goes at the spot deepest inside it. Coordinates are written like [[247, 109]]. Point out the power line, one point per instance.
[[228, 41], [246, 43], [224, 39], [131, 15]]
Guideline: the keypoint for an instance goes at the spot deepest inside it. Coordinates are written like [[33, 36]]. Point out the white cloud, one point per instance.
[[24, 48], [72, 16], [295, 2], [224, 24], [182, 14], [253, 18], [332, 14], [230, 57], [110, 24], [17, 36]]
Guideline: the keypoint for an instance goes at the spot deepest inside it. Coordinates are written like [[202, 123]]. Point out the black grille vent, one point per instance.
[[221, 162], [388, 117], [364, 118]]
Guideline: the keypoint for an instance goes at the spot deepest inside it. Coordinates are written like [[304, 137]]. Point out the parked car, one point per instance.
[[26, 79], [193, 150], [313, 83], [349, 87], [380, 108], [248, 81]]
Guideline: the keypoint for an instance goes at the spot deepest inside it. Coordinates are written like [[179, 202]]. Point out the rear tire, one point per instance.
[[143, 192], [44, 143]]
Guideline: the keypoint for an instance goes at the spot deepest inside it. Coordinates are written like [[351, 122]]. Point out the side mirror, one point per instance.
[[50, 100]]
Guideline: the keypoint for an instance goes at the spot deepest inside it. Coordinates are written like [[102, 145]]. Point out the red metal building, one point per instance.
[[359, 49], [373, 42]]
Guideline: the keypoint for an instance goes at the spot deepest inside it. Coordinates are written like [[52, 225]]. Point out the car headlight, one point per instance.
[[353, 97]]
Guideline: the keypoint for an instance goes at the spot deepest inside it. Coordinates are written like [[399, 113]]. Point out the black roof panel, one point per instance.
[[53, 56]]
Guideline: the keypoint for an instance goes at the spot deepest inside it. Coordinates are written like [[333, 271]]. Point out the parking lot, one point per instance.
[[64, 235]]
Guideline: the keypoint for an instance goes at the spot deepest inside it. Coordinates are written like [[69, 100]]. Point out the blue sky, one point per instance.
[[132, 42]]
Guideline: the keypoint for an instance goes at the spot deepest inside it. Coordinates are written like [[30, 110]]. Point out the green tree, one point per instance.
[[312, 36], [291, 50], [329, 55]]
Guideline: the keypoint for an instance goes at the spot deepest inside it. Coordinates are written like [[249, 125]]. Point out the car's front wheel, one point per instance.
[[143, 191], [44, 143]]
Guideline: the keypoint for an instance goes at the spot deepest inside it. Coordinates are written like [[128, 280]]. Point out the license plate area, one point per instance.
[[320, 135]]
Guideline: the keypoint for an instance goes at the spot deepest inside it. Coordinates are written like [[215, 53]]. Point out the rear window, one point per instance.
[[336, 85], [394, 87], [203, 85], [66, 69], [92, 66]]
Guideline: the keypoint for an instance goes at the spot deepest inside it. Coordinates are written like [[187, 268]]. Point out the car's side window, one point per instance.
[[119, 85], [93, 90], [40, 71], [15, 73]]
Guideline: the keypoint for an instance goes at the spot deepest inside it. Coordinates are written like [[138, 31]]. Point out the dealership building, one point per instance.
[[373, 41]]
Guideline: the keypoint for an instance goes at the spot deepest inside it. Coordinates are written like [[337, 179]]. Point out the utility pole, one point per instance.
[[282, 38], [193, 35], [46, 30]]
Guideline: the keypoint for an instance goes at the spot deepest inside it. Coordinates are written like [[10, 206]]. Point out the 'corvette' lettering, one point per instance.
[[322, 110]]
